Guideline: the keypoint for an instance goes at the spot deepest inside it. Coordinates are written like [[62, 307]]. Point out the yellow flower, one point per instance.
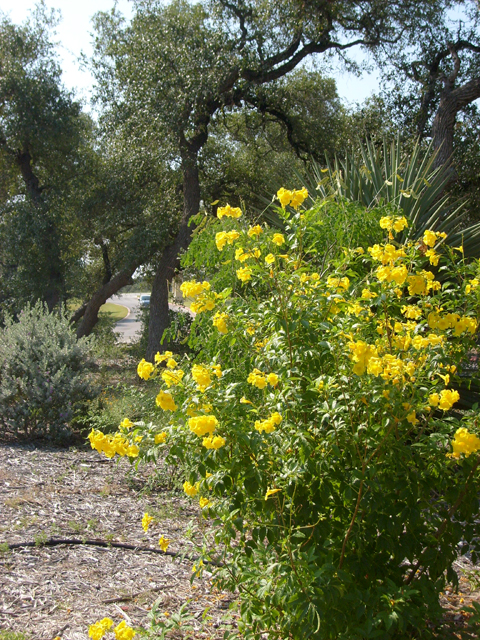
[[472, 285], [172, 377], [164, 543], [411, 311], [215, 442], [298, 196], [224, 237], [124, 632], [284, 195], [132, 451], [412, 418], [244, 274], [201, 425], [255, 231], [272, 379], [220, 322], [161, 357], [257, 379], [145, 369], [278, 239], [97, 631], [191, 489], [160, 437], [270, 258], [191, 289], [126, 424], [229, 212], [202, 377], [146, 521], [417, 285], [204, 502], [386, 223], [165, 401], [368, 295], [400, 224], [271, 492], [430, 238], [464, 442]]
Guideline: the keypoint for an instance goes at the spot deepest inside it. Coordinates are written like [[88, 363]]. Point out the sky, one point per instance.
[[73, 35]]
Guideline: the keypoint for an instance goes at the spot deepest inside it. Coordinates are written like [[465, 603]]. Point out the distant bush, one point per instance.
[[42, 373]]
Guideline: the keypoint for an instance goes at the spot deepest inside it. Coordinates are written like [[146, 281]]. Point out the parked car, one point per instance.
[[144, 300]]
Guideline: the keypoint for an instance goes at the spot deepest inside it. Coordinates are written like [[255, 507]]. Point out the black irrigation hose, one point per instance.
[[53, 542]]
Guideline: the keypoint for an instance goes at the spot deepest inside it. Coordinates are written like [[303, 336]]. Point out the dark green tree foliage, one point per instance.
[[436, 77], [177, 65], [40, 130], [128, 207]]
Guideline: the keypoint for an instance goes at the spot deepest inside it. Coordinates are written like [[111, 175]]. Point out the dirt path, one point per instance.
[[48, 592]]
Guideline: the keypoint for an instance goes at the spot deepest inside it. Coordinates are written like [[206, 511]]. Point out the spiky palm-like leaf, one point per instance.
[[387, 174]]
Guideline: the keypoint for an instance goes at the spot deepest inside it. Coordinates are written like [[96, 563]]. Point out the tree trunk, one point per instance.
[[451, 102], [90, 315], [169, 261]]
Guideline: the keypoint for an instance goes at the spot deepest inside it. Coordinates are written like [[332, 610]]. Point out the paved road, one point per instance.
[[130, 326]]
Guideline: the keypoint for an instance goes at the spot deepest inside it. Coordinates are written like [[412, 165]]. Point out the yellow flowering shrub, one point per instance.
[[335, 449]]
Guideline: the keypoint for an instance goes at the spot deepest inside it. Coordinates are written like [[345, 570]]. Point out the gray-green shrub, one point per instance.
[[43, 373]]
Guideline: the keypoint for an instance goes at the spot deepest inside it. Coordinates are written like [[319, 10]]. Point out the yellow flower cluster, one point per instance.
[[98, 630], [202, 375], [444, 400], [220, 321], [397, 223], [164, 357], [255, 231], [192, 288], [229, 212], [225, 237], [431, 237], [361, 355], [244, 274], [126, 424], [122, 630], [146, 521], [160, 437], [201, 425], [392, 274], [145, 369], [260, 380], [387, 254], [464, 442], [172, 377], [269, 424], [472, 285], [191, 489], [293, 198], [454, 321], [165, 401], [339, 284], [110, 445], [215, 442], [241, 256], [199, 291], [204, 502], [412, 312], [278, 239]]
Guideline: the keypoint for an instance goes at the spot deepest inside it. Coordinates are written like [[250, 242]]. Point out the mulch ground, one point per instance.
[[46, 592], [50, 494]]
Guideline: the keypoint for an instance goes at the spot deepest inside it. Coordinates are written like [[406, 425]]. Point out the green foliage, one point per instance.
[[321, 448], [388, 174], [43, 373], [115, 403], [175, 337]]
